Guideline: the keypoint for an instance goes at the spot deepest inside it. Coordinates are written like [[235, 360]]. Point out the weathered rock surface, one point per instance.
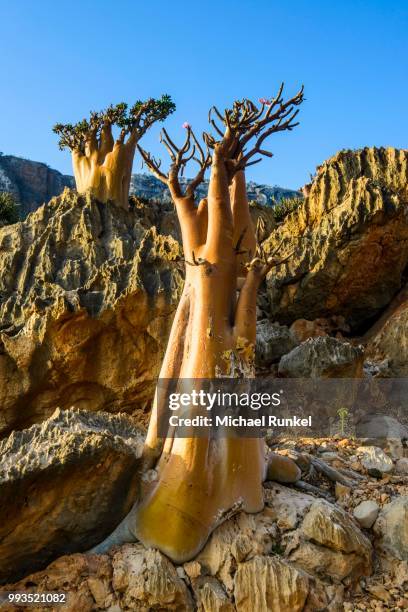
[[391, 528], [87, 293], [64, 486], [323, 357], [389, 338], [248, 564], [272, 342], [350, 240]]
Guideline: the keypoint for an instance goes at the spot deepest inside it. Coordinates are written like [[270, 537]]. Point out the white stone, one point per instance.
[[374, 458], [366, 513]]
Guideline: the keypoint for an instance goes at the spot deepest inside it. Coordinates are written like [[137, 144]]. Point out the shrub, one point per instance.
[[9, 209], [286, 206]]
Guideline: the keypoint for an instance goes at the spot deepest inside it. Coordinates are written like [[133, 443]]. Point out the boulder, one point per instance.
[[374, 458], [272, 341], [366, 513], [349, 240], [323, 357], [391, 528], [64, 486]]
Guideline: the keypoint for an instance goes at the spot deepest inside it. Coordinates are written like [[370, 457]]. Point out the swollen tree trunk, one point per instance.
[[199, 481], [105, 168]]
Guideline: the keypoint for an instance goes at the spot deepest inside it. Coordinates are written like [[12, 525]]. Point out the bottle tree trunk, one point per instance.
[[199, 481], [105, 168]]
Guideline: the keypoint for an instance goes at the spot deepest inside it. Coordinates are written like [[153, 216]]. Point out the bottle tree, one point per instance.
[[102, 163], [198, 481]]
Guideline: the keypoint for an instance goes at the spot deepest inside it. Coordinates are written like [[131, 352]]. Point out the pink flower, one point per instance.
[[186, 125], [263, 100]]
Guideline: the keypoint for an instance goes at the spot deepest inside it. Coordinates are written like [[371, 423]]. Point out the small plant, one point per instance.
[[9, 209], [343, 416], [286, 205]]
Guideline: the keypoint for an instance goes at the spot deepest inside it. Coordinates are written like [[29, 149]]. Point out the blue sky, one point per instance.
[[60, 59]]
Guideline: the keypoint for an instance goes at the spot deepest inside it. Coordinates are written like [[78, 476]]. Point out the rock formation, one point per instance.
[[252, 562], [87, 297], [350, 241]]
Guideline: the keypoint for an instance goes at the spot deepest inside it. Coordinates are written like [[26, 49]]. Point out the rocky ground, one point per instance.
[[333, 535], [87, 295]]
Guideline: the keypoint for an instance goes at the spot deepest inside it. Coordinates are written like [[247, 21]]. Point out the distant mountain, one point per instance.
[[34, 183]]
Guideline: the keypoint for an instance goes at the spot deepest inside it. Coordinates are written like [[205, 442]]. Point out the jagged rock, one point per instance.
[[267, 583], [272, 341], [323, 357], [374, 458], [210, 595], [388, 340], [366, 513], [147, 580], [391, 528], [246, 565], [64, 486], [282, 469], [328, 543], [350, 240], [87, 296]]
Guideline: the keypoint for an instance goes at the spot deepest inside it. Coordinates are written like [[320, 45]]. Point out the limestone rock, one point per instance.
[[282, 469], [64, 486], [328, 543], [391, 528], [388, 340], [147, 580], [350, 240], [87, 296], [248, 564], [272, 341], [374, 458], [323, 357], [366, 513], [268, 583], [210, 595]]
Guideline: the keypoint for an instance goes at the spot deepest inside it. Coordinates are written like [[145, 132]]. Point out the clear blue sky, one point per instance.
[[59, 59]]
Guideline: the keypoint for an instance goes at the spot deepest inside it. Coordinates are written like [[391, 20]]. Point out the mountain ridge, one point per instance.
[[33, 183]]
